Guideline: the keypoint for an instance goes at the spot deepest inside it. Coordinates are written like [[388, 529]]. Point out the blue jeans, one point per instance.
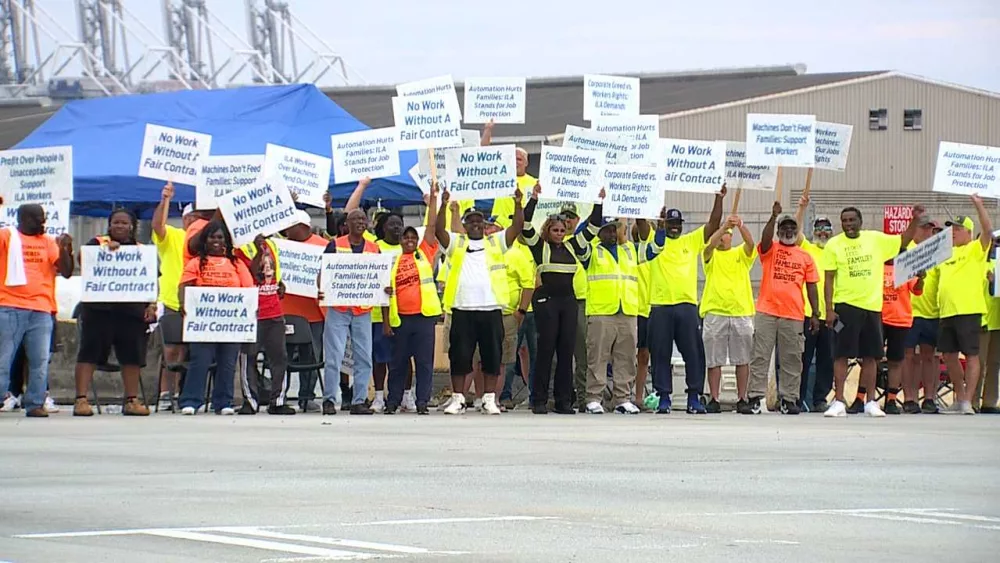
[[526, 334], [34, 328], [201, 355], [338, 326]]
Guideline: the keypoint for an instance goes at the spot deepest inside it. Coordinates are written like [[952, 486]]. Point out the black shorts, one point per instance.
[[100, 331], [642, 331], [472, 329], [895, 342], [960, 334], [861, 336]]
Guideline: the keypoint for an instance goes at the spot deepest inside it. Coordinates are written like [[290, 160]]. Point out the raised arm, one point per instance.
[[517, 225], [911, 229], [767, 235], [580, 242], [985, 225], [800, 217], [65, 262], [354, 201], [456, 225], [439, 231], [715, 219], [716, 236], [487, 137], [642, 229], [748, 242], [162, 211], [430, 231]]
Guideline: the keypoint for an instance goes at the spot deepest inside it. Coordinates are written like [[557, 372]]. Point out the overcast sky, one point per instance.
[[950, 40]]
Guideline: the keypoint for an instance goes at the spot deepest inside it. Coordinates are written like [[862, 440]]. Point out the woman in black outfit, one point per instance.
[[555, 303]]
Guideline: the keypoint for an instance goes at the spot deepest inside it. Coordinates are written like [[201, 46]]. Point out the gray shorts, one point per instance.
[[728, 340]]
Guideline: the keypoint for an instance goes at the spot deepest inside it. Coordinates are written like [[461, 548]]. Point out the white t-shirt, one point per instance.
[[474, 291]]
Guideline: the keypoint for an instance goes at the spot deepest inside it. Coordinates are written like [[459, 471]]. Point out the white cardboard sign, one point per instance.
[[632, 191], [781, 140], [481, 172], [741, 175], [126, 275], [967, 169], [605, 96], [422, 181], [261, 209], [305, 174], [426, 122], [923, 257], [56, 217], [220, 314], [502, 100], [355, 280], [173, 155], [692, 166], [570, 174], [222, 174], [642, 131], [470, 138], [373, 153], [300, 264], [833, 142], [36, 175], [439, 85], [614, 147]]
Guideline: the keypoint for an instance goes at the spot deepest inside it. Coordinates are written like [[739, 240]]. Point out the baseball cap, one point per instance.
[[569, 209], [675, 215], [188, 209], [786, 218], [962, 221], [820, 220], [609, 222], [472, 211], [302, 218]]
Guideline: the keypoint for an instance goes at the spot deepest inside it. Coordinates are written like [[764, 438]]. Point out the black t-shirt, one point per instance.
[[125, 309]]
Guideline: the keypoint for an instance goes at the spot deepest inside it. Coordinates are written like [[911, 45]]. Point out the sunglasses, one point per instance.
[[824, 228], [558, 217]]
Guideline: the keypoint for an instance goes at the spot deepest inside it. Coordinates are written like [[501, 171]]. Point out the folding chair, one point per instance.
[[298, 333], [172, 334], [102, 368]]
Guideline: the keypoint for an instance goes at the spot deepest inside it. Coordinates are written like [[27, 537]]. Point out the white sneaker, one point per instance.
[[456, 405], [10, 403], [50, 405], [594, 407], [628, 407], [378, 405], [188, 411], [954, 408], [477, 404], [489, 405], [228, 411], [837, 409], [409, 401], [873, 410], [966, 407], [447, 402], [164, 401]]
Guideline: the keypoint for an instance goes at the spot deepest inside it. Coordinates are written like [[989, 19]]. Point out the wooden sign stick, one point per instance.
[[809, 181], [430, 155], [736, 198], [777, 186]]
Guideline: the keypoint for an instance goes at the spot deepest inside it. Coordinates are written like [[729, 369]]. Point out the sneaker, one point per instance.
[[280, 409], [309, 406], [508, 404], [37, 412], [594, 407], [954, 408], [422, 409], [910, 407], [966, 407], [361, 409], [540, 408], [247, 408], [743, 407], [990, 410], [857, 407], [489, 404], [188, 411], [226, 411], [164, 403], [564, 410], [378, 405], [447, 402], [50, 405], [409, 401], [820, 406], [713, 407], [10, 403], [892, 407], [329, 408], [390, 409], [456, 405], [789, 407], [694, 405], [82, 407], [873, 410], [628, 407], [928, 406], [837, 409], [133, 407], [664, 406]]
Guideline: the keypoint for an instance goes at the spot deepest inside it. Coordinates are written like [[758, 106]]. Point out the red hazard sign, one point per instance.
[[896, 218]]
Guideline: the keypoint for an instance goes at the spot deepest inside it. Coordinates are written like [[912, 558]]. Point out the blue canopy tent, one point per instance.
[[107, 134]]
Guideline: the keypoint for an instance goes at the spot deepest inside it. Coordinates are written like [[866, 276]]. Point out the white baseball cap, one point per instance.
[[188, 209], [303, 217]]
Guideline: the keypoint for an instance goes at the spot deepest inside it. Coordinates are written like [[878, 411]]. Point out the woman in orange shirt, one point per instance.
[[897, 319], [214, 265]]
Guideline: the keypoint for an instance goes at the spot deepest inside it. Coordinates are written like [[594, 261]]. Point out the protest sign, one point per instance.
[[438, 85], [347, 364], [126, 275], [470, 138], [605, 96], [220, 314], [923, 257], [499, 99], [570, 174], [896, 218], [426, 122], [173, 155], [546, 207], [261, 209], [56, 217], [355, 280], [223, 174], [481, 172], [300, 264], [632, 191], [615, 148], [741, 175], [305, 174], [36, 175], [421, 180], [833, 142], [692, 166], [373, 153], [967, 169], [641, 131], [781, 140]]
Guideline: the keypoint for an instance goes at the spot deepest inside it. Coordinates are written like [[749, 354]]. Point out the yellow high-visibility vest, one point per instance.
[[430, 305], [613, 285], [250, 250], [494, 263]]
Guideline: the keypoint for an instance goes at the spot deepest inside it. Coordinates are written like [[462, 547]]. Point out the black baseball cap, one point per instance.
[[472, 211], [675, 215]]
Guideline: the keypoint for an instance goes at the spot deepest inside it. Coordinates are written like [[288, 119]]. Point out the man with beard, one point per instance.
[[780, 308], [817, 383]]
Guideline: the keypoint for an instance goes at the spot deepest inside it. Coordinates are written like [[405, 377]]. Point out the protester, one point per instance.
[[29, 262], [642, 327], [521, 281], [474, 296], [414, 309], [574, 228], [215, 265], [612, 268], [122, 326], [986, 395], [897, 318], [817, 383], [962, 304], [261, 257], [922, 365], [673, 318], [727, 308], [19, 378], [853, 263], [388, 230]]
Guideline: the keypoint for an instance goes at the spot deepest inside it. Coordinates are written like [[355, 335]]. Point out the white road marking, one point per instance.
[[257, 532], [779, 542], [261, 544], [808, 512], [922, 520], [92, 533], [970, 517], [418, 522]]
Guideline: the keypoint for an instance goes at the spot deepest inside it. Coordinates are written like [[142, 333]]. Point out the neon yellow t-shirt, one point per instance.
[[960, 277], [859, 263], [674, 273], [817, 255], [925, 305], [385, 248], [520, 273], [991, 320], [644, 306], [503, 207], [170, 251], [728, 292]]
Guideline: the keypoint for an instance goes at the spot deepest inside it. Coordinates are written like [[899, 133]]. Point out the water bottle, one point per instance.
[[113, 409]]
